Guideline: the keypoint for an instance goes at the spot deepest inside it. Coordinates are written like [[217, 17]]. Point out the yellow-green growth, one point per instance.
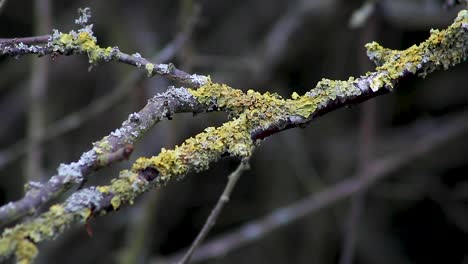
[[198, 152], [125, 188], [84, 42], [251, 110], [443, 48], [21, 240], [103, 146], [150, 69]]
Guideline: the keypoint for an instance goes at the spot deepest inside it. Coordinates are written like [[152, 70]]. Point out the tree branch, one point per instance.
[[379, 169], [255, 116], [85, 42], [159, 107]]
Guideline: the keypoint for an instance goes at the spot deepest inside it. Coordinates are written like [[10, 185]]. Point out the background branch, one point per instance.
[[212, 218]]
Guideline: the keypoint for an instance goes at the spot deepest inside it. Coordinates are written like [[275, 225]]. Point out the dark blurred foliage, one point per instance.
[[410, 217]]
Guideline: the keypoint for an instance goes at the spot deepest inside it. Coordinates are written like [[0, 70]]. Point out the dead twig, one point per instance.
[[223, 199]]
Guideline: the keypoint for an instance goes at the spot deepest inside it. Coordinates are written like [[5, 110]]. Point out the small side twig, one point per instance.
[[223, 199]]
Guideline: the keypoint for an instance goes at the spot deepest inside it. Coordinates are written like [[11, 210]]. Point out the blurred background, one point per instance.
[[414, 211]]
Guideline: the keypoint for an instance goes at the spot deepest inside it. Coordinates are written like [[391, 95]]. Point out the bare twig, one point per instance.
[[380, 168], [26, 40], [223, 199]]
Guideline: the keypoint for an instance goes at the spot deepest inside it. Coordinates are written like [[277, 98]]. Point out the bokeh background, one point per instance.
[[52, 109]]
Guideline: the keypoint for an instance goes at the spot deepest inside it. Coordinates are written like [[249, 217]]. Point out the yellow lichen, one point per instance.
[[66, 39], [83, 42], [57, 209], [115, 202], [295, 96], [85, 213], [21, 240], [102, 146], [198, 152], [103, 189], [443, 48], [150, 69], [26, 252], [251, 110], [86, 41]]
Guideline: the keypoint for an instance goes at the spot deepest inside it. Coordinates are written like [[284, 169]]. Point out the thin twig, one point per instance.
[[72, 43], [380, 168], [168, 70], [26, 40], [223, 199]]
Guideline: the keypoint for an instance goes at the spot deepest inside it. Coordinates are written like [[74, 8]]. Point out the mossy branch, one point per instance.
[[109, 149], [257, 116], [254, 117], [83, 41]]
